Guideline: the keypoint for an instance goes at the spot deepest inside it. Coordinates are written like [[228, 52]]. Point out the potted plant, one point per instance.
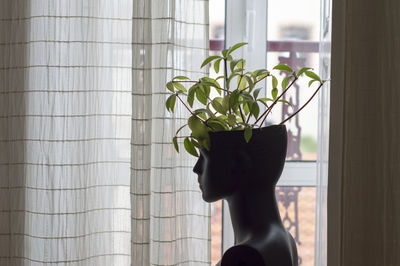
[[239, 160]]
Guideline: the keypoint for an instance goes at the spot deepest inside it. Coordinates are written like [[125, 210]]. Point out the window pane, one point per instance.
[[216, 231], [297, 209], [293, 35]]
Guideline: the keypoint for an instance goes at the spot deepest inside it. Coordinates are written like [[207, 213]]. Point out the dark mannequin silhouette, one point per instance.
[[245, 174]]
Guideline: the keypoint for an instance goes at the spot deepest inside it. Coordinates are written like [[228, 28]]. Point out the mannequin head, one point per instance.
[[234, 166]]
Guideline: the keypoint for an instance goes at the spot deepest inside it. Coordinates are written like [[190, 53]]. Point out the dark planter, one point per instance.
[[245, 174]]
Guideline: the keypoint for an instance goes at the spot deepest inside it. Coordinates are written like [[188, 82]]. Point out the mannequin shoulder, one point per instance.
[[242, 255], [276, 249]]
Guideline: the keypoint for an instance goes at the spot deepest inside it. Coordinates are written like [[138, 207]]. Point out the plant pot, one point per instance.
[[245, 174]]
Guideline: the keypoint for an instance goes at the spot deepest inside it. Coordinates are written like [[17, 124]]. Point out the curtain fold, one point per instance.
[[87, 171], [170, 221], [364, 184]]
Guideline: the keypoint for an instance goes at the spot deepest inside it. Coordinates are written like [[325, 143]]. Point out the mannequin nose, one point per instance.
[[198, 166]]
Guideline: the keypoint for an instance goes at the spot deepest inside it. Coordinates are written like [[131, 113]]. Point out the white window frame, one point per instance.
[[248, 19]]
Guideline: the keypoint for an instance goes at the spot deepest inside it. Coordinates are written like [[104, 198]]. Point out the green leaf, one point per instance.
[[247, 134], [261, 72], [274, 82], [216, 65], [274, 93], [206, 81], [236, 46], [206, 89], [179, 86], [190, 147], [196, 144], [263, 76], [199, 129], [256, 92], [246, 96], [217, 105], [242, 82], [255, 109], [231, 119], [241, 64], [201, 96], [211, 111], [205, 142], [231, 76], [217, 125], [180, 129], [246, 108], [283, 67], [266, 99], [224, 52], [264, 103], [203, 111], [191, 93], [225, 102], [202, 116], [233, 99], [170, 103], [250, 82], [209, 59], [311, 82], [233, 64], [180, 77], [302, 70], [284, 101], [312, 75], [175, 141], [285, 81], [170, 86]]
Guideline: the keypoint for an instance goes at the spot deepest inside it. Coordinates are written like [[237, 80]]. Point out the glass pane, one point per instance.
[[297, 209], [216, 231], [293, 35]]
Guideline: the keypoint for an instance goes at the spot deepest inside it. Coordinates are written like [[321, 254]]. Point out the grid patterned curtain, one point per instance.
[[170, 221], [71, 191]]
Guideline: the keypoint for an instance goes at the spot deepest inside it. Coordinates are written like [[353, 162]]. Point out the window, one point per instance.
[[284, 31]]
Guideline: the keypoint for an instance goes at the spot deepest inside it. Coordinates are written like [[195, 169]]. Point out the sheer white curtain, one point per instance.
[[67, 71], [170, 221], [321, 228], [64, 132]]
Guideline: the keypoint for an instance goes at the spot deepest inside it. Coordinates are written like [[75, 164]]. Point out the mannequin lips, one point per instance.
[[198, 180]]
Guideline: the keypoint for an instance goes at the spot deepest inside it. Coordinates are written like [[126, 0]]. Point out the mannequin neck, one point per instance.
[[253, 213]]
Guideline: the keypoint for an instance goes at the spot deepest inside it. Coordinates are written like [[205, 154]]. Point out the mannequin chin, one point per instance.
[[245, 175]]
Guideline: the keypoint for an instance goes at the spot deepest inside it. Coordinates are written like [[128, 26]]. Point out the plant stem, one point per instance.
[[248, 118], [177, 95], [227, 91], [241, 113], [266, 113], [301, 108]]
